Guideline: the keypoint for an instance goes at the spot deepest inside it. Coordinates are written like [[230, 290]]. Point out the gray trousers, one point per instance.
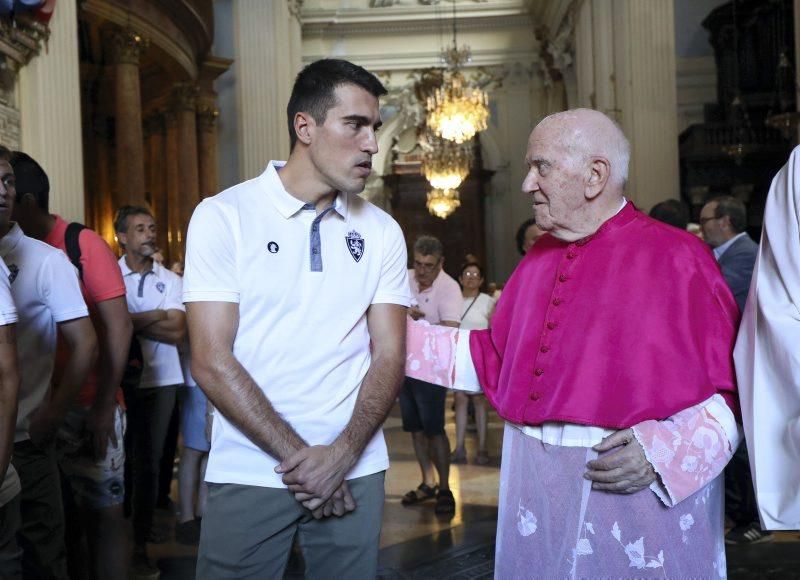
[[247, 532]]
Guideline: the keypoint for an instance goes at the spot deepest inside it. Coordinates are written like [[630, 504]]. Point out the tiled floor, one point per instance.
[[416, 543]]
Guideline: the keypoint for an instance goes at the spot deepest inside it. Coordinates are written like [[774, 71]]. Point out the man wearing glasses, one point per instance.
[[437, 299]]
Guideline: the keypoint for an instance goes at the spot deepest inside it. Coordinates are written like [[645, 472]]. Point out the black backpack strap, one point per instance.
[[73, 247]]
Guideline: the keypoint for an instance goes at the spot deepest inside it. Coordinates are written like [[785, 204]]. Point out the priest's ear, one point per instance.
[[599, 172]]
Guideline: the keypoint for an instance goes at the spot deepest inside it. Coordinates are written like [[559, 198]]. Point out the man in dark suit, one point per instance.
[[724, 220]]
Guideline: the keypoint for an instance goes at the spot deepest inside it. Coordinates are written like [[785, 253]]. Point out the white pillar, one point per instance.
[[646, 95], [267, 59], [50, 106]]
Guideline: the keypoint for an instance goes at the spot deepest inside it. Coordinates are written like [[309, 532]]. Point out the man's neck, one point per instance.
[[40, 226], [298, 179], [138, 263]]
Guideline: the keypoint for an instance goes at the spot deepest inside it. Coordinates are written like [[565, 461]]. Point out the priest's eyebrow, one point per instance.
[[363, 121]]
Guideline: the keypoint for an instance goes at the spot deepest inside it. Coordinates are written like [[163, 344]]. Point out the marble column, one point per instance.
[[208, 161], [50, 107], [157, 175], [625, 65], [268, 57], [130, 175], [184, 98], [172, 147]]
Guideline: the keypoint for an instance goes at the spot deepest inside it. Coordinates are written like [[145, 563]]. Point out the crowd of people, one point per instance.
[[608, 356]]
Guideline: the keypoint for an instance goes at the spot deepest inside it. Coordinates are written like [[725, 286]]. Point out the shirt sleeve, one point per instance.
[[174, 297], [8, 310], [393, 286], [211, 273], [452, 303], [60, 289], [102, 277]]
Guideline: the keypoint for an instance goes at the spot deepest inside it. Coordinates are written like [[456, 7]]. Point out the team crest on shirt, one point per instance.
[[161, 287], [355, 243], [13, 270]]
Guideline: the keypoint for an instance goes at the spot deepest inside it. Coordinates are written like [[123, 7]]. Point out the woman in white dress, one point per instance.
[[475, 314]]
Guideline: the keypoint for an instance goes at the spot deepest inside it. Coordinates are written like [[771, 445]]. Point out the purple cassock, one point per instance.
[[631, 327]]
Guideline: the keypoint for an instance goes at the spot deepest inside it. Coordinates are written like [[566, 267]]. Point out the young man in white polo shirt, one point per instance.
[[10, 553], [153, 294], [48, 297], [290, 279]]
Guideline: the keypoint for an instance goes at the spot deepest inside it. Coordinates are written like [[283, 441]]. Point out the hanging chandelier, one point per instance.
[[446, 164], [456, 110], [443, 202]]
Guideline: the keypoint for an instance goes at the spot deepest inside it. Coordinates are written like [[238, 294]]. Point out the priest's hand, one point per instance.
[[625, 470]]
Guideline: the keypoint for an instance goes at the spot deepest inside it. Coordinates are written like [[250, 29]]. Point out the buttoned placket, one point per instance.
[[315, 241], [143, 276], [553, 317]]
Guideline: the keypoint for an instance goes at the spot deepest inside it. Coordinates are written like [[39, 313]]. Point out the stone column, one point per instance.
[[172, 148], [267, 59], [208, 161], [631, 77], [184, 98], [130, 176], [101, 182], [50, 104], [157, 177]]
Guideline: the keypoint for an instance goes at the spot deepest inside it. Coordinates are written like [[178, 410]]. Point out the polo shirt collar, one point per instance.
[[126, 271], [287, 204], [11, 239]]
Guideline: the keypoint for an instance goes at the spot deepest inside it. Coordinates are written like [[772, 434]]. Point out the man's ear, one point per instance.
[[27, 200], [122, 239], [599, 173], [304, 126]]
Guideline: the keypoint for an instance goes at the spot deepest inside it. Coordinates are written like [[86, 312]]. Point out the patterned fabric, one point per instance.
[[551, 524], [431, 353], [688, 451]]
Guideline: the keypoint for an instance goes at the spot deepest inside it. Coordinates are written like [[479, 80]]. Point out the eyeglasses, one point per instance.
[[471, 274], [425, 266]]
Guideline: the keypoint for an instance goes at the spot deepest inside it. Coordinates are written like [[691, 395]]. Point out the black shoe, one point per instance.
[[188, 533], [748, 534]]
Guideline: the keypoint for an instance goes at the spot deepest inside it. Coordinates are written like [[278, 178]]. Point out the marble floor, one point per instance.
[[416, 543]]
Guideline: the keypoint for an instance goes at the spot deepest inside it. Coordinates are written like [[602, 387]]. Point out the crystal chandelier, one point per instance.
[[443, 202], [446, 164], [456, 111]]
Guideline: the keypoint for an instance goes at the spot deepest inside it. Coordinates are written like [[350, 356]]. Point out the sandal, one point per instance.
[[482, 458], [459, 456], [422, 493], [445, 502]]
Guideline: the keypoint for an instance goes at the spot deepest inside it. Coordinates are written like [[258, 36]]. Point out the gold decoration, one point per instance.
[[443, 202]]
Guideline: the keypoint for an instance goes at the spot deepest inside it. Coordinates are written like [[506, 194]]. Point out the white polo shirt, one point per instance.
[[303, 284], [156, 289], [10, 485], [46, 291]]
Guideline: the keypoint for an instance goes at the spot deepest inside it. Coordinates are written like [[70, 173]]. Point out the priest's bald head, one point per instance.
[[577, 170]]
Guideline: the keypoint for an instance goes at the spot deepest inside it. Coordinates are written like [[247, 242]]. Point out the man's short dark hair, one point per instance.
[[5, 154], [523, 227], [672, 212], [126, 211], [314, 89], [32, 179], [733, 208], [428, 246]]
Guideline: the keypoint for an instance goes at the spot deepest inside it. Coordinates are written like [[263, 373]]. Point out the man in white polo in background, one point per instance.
[[296, 294], [48, 297], [153, 294]]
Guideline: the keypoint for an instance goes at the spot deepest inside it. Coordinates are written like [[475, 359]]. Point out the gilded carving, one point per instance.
[[207, 117], [184, 97], [127, 46]]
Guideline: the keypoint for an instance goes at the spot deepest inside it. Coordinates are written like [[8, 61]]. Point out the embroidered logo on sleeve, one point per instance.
[[355, 243], [13, 270], [273, 247], [161, 287]]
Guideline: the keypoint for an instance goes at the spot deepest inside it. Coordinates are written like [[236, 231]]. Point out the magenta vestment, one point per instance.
[[633, 323]]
